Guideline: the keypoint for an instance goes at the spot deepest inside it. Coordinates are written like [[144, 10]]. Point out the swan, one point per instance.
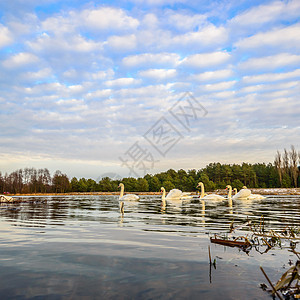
[[121, 203], [175, 194], [6, 199], [229, 188], [243, 194], [177, 202], [235, 191], [210, 196], [128, 197], [256, 197]]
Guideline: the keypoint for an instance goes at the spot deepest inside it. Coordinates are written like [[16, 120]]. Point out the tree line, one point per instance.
[[284, 172]]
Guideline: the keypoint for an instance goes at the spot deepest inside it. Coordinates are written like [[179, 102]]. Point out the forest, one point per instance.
[[283, 172]]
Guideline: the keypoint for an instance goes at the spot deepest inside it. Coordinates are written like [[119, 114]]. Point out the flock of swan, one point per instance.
[[178, 195]]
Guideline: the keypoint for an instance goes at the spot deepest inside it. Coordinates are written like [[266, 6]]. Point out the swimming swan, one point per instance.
[[210, 196], [175, 194], [256, 197], [243, 194], [128, 197]]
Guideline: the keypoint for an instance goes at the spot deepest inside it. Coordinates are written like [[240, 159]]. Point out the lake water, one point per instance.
[[81, 247]]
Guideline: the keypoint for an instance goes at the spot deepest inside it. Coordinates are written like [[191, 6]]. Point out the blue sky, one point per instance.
[[89, 88]]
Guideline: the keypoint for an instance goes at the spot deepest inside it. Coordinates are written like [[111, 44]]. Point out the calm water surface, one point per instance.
[[80, 247]]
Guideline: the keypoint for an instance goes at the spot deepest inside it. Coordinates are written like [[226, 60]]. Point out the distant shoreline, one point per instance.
[[262, 191]]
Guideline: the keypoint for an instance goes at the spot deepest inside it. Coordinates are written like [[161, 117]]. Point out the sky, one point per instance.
[[125, 88]]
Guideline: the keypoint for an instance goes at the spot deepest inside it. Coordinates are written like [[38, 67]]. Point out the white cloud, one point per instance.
[[281, 38], [205, 60], [150, 21], [104, 93], [73, 74], [5, 36], [221, 86], [274, 11], [41, 74], [20, 60], [108, 18], [72, 105], [152, 92], [44, 88], [122, 82], [23, 26], [185, 22], [71, 43], [165, 59], [59, 25], [82, 71], [122, 43], [157, 2], [271, 62], [209, 36], [271, 87], [159, 74], [269, 77], [102, 74], [213, 75]]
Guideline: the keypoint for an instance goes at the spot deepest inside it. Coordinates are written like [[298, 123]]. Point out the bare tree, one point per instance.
[[286, 162], [278, 166], [293, 165], [1, 184]]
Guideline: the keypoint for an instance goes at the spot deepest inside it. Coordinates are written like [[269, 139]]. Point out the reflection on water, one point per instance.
[[76, 247]]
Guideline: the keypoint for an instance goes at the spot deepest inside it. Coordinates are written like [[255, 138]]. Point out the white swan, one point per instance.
[[6, 199], [175, 194], [210, 196], [229, 188], [256, 197], [174, 197], [235, 191], [243, 194], [128, 197], [252, 196]]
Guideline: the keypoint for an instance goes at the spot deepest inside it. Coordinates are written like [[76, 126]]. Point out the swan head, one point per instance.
[[121, 185], [162, 189], [244, 187], [228, 187], [199, 184]]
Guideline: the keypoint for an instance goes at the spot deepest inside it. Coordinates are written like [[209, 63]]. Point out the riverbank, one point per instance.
[[262, 191]]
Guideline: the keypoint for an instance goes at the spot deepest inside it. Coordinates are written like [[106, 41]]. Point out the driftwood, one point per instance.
[[231, 243]]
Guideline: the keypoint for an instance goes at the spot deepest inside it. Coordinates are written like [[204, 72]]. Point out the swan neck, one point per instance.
[[163, 199], [122, 191], [203, 207], [202, 190], [229, 192]]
